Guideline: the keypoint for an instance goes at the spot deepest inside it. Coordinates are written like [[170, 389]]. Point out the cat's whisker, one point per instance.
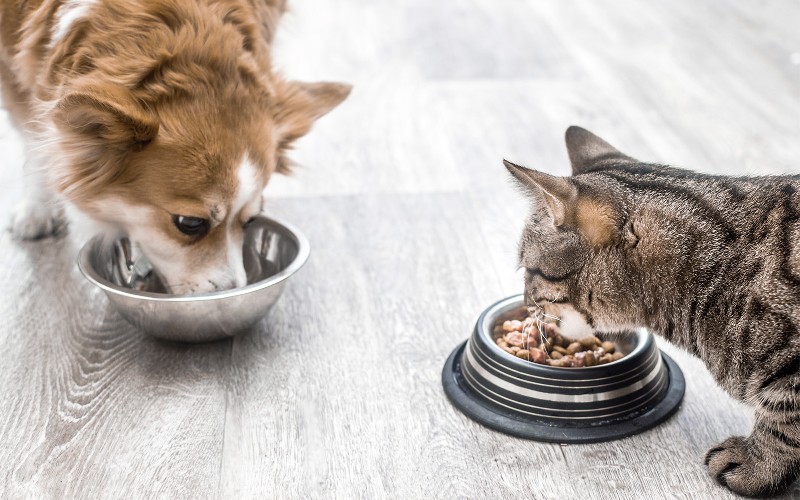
[[542, 337], [536, 303]]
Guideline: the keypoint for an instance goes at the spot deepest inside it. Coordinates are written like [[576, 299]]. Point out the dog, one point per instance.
[[161, 120]]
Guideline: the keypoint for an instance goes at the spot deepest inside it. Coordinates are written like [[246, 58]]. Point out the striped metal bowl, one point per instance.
[[568, 405]]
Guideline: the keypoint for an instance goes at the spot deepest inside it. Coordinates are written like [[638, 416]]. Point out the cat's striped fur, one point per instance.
[[711, 263]]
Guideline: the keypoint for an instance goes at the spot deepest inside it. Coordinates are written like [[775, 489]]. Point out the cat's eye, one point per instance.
[[195, 227]]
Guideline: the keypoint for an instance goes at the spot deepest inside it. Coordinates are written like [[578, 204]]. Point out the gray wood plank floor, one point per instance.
[[413, 225]]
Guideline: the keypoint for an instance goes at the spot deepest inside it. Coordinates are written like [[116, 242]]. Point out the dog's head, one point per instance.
[[177, 157]]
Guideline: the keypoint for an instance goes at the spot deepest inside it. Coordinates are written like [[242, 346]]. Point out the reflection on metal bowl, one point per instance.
[[273, 251]]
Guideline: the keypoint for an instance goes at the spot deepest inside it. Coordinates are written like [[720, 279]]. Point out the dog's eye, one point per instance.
[[190, 226]]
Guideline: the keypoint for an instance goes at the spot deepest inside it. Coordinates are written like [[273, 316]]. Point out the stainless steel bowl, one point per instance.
[[571, 405], [273, 251]]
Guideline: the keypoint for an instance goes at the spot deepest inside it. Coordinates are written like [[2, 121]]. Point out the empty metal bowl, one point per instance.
[[566, 405], [273, 251]]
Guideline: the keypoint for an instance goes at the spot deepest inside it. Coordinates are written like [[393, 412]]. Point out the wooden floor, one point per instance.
[[413, 225]]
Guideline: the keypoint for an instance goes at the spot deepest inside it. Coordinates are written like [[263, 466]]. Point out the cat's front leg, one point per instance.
[[765, 462]]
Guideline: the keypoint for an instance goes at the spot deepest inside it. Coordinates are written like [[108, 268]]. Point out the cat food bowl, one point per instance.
[[273, 251], [564, 405]]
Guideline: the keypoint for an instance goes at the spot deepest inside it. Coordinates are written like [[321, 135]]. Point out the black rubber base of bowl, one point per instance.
[[484, 412]]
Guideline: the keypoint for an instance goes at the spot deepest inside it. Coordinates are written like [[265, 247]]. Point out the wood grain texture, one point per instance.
[[413, 225], [91, 406]]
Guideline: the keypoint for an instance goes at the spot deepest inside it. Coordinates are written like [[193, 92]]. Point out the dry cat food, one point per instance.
[[539, 342]]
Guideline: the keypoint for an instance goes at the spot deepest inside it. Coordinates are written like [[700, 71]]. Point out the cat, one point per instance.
[[711, 263]]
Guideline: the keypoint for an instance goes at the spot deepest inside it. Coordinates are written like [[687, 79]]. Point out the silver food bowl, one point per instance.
[[273, 251], [565, 405]]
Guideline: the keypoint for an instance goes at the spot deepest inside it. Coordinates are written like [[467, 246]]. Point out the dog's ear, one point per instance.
[[107, 115], [298, 106], [99, 125]]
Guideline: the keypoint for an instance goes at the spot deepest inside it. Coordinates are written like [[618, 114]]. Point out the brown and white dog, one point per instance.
[[162, 120]]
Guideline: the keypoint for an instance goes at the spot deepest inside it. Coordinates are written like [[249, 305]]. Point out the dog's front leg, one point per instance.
[[40, 213]]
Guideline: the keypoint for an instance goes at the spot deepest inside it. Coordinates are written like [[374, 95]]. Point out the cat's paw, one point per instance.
[[31, 221], [733, 464]]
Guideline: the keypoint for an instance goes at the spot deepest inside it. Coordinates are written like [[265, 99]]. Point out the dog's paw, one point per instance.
[[734, 464], [31, 221]]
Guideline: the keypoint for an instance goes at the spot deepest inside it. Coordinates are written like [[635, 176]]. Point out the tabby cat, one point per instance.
[[710, 263]]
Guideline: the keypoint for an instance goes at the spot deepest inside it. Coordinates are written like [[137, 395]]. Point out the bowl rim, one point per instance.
[[483, 331], [303, 252]]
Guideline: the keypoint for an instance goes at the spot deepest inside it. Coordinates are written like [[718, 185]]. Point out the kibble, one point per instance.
[[538, 355], [541, 343]]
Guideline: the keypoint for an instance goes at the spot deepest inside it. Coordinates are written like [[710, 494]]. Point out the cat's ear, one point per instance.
[[595, 220], [586, 151], [559, 193]]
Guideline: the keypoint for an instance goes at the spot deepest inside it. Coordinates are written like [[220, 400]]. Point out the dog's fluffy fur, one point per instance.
[[139, 111]]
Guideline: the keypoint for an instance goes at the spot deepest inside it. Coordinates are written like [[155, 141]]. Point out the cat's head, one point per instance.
[[591, 241]]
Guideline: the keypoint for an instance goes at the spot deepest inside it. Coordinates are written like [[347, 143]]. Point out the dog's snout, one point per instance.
[[239, 280], [238, 276], [228, 283]]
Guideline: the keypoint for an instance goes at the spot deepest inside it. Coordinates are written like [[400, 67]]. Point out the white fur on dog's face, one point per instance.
[[200, 266], [182, 270], [68, 13]]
